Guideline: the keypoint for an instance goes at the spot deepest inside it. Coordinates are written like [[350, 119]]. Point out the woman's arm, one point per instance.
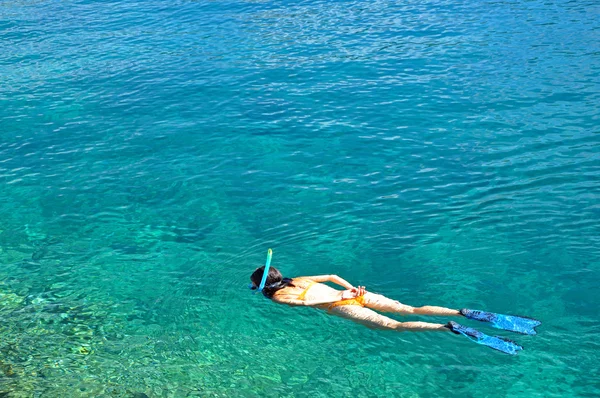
[[330, 278]]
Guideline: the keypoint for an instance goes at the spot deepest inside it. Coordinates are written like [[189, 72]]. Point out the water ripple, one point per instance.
[[439, 152]]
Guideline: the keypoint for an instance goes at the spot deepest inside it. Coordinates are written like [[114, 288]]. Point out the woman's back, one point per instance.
[[306, 289]]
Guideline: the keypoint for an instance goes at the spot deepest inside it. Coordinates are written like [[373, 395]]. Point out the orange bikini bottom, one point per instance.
[[360, 300]]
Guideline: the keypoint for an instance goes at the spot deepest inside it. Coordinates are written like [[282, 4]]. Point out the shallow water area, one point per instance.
[[438, 152]]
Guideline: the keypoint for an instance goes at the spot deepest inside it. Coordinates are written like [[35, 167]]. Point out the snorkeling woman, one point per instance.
[[358, 305]]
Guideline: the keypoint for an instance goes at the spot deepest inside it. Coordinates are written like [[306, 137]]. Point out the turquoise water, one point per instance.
[[438, 152]]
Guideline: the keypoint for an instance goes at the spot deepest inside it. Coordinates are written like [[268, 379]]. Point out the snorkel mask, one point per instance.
[[265, 274]]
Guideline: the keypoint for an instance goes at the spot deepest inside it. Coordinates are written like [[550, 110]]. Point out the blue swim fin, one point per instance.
[[511, 323], [497, 343]]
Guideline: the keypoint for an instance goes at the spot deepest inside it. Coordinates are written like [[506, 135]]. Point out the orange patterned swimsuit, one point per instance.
[[360, 300]]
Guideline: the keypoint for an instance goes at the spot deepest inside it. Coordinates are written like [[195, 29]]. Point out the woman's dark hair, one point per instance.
[[275, 281]]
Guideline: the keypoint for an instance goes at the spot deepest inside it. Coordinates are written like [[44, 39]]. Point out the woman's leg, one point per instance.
[[373, 320], [384, 304]]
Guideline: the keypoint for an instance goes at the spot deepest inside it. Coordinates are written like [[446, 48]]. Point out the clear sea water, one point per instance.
[[438, 152]]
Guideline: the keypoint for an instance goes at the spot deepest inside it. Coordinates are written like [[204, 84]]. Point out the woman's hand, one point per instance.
[[353, 293], [360, 291]]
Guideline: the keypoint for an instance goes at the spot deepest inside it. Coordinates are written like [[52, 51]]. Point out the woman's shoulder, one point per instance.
[[296, 285], [289, 290], [301, 281]]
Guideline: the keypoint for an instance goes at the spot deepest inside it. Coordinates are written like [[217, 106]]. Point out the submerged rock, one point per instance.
[[40, 253], [139, 395], [10, 301], [7, 369]]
